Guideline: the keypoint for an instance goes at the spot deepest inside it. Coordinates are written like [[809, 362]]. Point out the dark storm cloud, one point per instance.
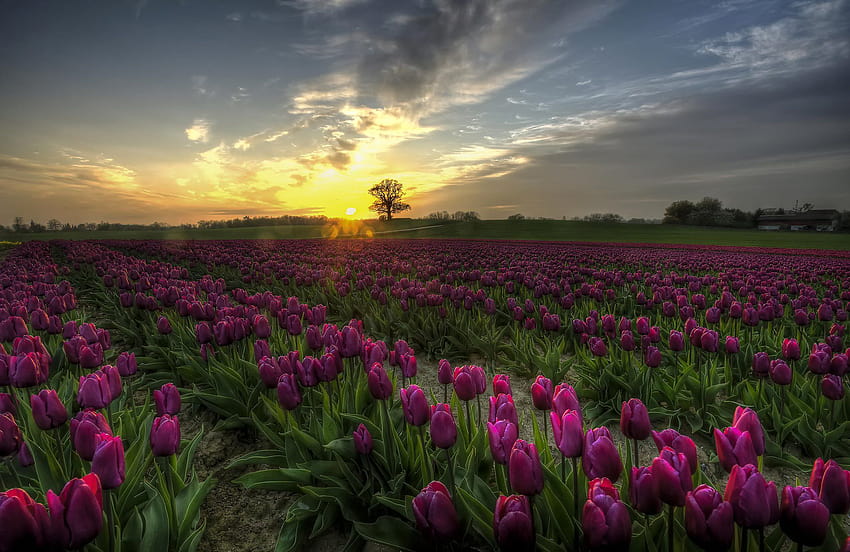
[[446, 42]]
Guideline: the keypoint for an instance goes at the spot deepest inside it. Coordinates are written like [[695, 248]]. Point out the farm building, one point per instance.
[[821, 220]]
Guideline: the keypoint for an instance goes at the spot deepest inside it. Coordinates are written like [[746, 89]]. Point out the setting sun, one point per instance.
[[350, 211]]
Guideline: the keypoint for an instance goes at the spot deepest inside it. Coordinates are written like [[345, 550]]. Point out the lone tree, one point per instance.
[[388, 194]]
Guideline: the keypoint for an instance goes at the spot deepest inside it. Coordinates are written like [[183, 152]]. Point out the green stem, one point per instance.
[[670, 521], [451, 467], [576, 502], [468, 420], [761, 539], [745, 541], [635, 452]]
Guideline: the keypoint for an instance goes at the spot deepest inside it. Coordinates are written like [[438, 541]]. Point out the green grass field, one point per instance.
[[553, 230]]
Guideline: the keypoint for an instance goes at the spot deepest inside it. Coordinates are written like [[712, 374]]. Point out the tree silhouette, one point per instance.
[[388, 194]]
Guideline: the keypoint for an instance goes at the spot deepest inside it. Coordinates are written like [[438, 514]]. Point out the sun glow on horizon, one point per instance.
[[351, 211]]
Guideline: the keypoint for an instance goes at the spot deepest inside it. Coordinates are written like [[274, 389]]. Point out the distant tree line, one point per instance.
[[708, 211], [55, 225], [457, 216]]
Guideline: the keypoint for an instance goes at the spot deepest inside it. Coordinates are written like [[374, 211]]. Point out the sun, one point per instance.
[[350, 211]]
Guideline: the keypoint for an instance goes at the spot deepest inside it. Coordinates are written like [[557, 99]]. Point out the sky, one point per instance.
[[178, 111]]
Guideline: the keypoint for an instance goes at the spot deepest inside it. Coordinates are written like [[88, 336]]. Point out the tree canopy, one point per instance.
[[388, 194]]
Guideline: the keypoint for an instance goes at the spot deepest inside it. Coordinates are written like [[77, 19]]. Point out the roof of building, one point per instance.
[[813, 215]]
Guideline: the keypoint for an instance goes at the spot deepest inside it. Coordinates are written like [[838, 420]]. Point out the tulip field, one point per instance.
[[427, 394]]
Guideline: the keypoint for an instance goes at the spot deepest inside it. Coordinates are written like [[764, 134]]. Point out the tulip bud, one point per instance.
[[708, 519], [790, 349], [513, 525], [165, 435], [25, 521], [48, 411], [167, 400], [76, 514], [597, 347], [754, 501], [802, 516], [502, 435], [443, 427], [502, 408], [819, 362], [634, 420], [600, 456], [7, 404], [734, 447], [362, 440], [673, 473], [732, 345], [414, 404], [28, 369]]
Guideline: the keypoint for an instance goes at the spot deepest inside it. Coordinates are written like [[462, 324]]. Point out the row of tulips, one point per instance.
[[111, 500]]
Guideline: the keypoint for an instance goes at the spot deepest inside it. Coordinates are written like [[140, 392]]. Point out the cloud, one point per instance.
[[312, 8], [200, 86], [199, 131]]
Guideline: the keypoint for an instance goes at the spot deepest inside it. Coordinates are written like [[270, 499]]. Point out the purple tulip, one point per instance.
[[780, 372], [435, 513], [565, 398], [25, 522], [541, 393], [832, 387], [414, 404], [790, 349], [652, 356], [524, 469], [673, 473], [513, 524], [444, 372], [502, 435], [464, 383], [167, 400], [802, 516], [28, 369], [163, 325], [443, 427], [761, 365], [597, 347], [708, 519], [734, 447], [48, 411], [600, 457], [94, 391], [832, 483], [568, 433], [363, 444], [126, 364], [502, 408], [644, 492], [732, 345], [7, 404], [76, 514], [10, 435], [746, 419], [680, 443], [754, 501], [634, 420], [351, 342], [288, 392], [676, 341], [819, 362], [605, 519], [108, 460], [501, 384], [165, 435], [85, 427]]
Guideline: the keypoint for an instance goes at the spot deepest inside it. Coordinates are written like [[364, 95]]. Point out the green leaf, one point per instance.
[[156, 526], [480, 516], [267, 457], [391, 531], [278, 479]]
